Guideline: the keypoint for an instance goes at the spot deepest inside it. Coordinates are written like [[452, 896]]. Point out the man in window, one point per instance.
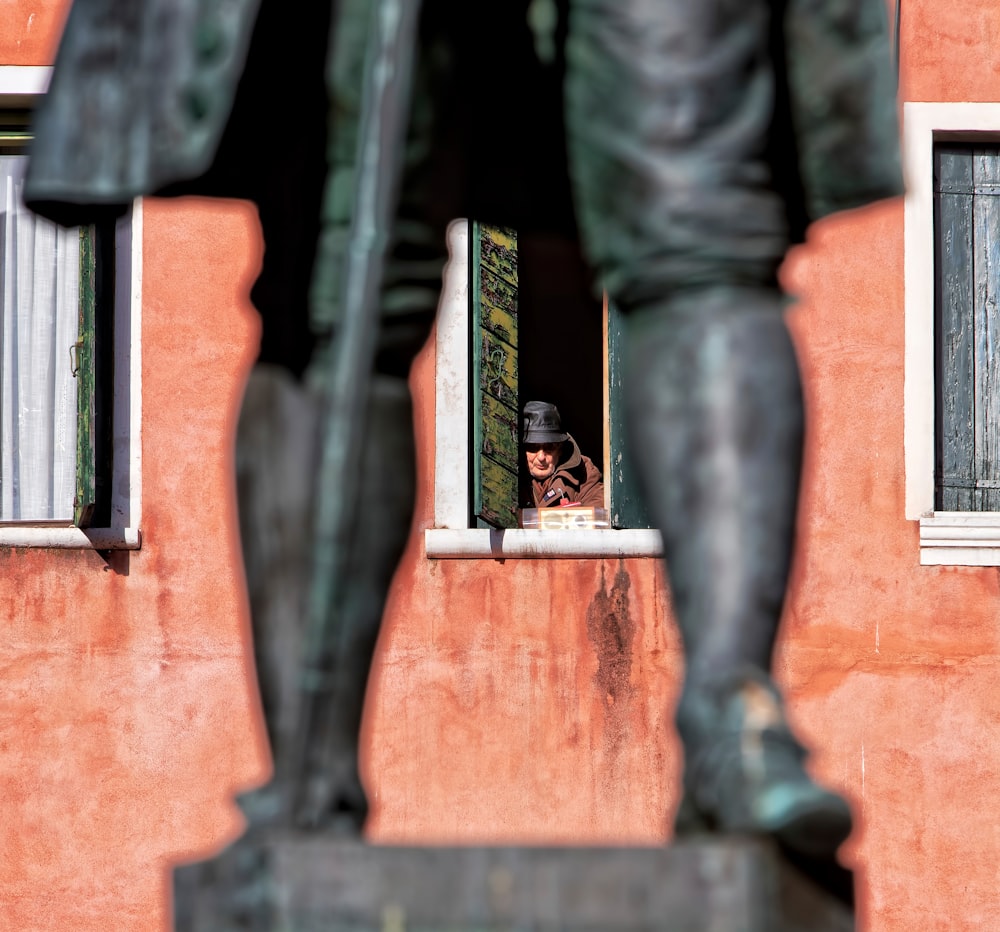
[[560, 473]]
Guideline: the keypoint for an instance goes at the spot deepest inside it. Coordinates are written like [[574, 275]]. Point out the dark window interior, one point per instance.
[[561, 338]]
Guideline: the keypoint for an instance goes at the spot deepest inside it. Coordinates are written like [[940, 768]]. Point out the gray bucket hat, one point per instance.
[[542, 424]]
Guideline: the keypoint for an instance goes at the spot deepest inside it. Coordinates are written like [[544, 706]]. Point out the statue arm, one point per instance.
[[139, 97]]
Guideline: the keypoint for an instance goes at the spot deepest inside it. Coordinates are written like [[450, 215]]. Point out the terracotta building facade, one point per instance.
[[523, 691]]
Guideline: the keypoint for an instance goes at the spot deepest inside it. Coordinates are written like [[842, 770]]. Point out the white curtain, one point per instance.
[[39, 289]]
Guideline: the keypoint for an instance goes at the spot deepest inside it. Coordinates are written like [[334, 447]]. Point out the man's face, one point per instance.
[[542, 458]]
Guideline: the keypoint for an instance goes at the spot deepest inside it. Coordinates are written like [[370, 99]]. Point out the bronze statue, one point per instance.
[[700, 140]]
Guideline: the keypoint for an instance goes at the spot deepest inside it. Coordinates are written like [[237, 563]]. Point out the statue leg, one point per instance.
[[330, 794], [316, 764], [670, 129], [715, 427], [378, 508]]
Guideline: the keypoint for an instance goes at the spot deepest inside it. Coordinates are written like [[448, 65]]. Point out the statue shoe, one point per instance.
[[333, 800], [745, 773]]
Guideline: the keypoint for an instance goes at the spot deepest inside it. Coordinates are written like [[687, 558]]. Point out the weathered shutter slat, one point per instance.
[[495, 375], [955, 343]]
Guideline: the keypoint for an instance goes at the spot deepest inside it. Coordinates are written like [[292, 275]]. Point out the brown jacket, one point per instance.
[[576, 476]]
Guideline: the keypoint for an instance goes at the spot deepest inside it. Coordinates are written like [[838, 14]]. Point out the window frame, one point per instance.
[[22, 86], [947, 538], [454, 535]]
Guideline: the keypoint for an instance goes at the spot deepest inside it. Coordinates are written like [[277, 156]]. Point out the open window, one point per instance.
[[68, 360], [490, 360], [952, 400], [539, 333]]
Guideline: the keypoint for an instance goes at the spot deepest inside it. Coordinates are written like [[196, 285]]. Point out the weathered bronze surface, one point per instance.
[[700, 140]]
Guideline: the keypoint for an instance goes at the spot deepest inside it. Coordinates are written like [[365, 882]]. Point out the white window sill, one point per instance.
[[22, 85], [959, 538], [484, 543], [70, 538]]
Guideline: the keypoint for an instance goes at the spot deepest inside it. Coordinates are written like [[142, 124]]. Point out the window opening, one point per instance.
[[539, 333], [56, 355], [967, 326]]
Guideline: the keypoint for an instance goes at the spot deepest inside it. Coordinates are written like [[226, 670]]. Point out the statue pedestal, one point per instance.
[[299, 883]]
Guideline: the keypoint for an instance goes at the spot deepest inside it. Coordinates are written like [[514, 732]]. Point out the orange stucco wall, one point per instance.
[[500, 708], [29, 31]]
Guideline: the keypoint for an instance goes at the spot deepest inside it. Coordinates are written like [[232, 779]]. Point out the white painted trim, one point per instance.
[[25, 81], [948, 537], [452, 537], [918, 250], [126, 501], [451, 387]]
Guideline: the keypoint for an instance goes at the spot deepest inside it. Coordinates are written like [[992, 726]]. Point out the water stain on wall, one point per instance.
[[611, 630]]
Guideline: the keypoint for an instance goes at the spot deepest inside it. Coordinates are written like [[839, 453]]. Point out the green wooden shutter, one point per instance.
[[94, 366], [967, 259], [495, 411], [86, 459], [627, 508]]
